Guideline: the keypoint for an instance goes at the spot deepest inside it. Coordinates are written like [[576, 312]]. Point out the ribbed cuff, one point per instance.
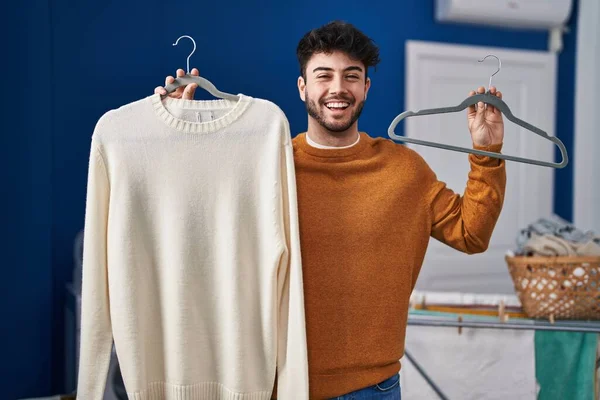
[[487, 160]]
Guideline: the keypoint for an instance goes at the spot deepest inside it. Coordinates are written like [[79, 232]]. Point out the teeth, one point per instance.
[[337, 105]]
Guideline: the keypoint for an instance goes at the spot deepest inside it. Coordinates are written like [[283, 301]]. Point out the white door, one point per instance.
[[586, 166], [440, 75]]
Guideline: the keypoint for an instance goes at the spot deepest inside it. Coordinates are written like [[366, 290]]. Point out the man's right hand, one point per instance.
[[184, 92]]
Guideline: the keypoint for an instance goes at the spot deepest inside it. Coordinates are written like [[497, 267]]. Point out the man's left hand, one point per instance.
[[485, 121]]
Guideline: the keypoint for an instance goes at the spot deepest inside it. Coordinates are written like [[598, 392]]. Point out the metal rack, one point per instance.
[[517, 324]]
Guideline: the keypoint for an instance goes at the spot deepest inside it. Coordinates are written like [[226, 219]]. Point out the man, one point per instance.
[[367, 208]]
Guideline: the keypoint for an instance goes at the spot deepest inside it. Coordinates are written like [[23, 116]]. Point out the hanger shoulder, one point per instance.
[[201, 82], [495, 101], [503, 107], [487, 98], [469, 101], [186, 80]]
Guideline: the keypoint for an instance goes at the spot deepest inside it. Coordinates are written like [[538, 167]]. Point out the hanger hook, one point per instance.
[[188, 59], [498, 70]]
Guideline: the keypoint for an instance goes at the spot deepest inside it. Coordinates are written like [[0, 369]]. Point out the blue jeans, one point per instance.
[[388, 389]]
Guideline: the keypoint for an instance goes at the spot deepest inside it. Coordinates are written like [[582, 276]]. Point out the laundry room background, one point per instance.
[[70, 62]]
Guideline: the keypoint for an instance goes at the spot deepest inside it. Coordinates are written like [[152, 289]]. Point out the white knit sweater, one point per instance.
[[191, 253]]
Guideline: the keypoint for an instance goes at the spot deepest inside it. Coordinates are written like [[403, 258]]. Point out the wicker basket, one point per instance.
[[557, 287]]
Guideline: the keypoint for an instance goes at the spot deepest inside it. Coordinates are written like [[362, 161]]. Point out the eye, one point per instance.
[[353, 77], [322, 76]]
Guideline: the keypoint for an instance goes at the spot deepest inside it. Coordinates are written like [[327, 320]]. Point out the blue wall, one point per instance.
[[71, 62], [26, 288]]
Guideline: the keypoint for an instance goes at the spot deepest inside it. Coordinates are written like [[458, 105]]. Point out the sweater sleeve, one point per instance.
[[466, 222], [96, 331], [292, 364]]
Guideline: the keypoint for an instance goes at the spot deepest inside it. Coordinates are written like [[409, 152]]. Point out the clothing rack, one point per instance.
[[538, 325], [520, 324]]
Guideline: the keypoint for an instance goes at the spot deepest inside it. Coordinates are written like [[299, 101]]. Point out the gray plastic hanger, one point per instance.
[[486, 98], [201, 82]]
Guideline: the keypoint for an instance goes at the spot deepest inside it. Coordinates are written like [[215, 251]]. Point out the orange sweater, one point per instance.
[[366, 214]]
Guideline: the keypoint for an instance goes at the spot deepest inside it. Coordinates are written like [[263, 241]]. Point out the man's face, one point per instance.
[[335, 90]]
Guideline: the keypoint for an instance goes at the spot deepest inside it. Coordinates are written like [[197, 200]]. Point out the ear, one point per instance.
[[301, 87], [367, 86]]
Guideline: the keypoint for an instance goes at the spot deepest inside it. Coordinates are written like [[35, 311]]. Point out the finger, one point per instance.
[[169, 80], [490, 107], [189, 94], [193, 90], [163, 91], [160, 90], [471, 109], [189, 91], [179, 91], [480, 104], [480, 108], [499, 95]]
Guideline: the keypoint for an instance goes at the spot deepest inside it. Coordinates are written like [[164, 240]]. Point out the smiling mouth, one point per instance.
[[337, 105]]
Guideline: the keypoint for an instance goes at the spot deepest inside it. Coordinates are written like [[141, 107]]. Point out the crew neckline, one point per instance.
[[321, 146], [236, 108], [341, 153]]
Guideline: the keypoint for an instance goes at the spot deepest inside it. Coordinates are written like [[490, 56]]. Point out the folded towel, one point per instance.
[[556, 237], [548, 245]]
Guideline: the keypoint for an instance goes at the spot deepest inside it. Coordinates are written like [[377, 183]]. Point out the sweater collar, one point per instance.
[[320, 146], [233, 110], [339, 153]]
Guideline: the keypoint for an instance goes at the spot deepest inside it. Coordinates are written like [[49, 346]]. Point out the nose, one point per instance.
[[337, 86]]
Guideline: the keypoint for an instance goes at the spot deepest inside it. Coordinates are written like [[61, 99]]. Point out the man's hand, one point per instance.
[[485, 121], [185, 92]]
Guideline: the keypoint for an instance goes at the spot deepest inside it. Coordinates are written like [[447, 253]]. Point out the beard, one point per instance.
[[314, 111]]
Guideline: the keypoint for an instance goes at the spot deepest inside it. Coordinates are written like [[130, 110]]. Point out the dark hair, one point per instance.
[[337, 36]]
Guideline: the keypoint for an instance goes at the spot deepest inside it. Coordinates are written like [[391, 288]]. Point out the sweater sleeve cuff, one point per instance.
[[487, 160]]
